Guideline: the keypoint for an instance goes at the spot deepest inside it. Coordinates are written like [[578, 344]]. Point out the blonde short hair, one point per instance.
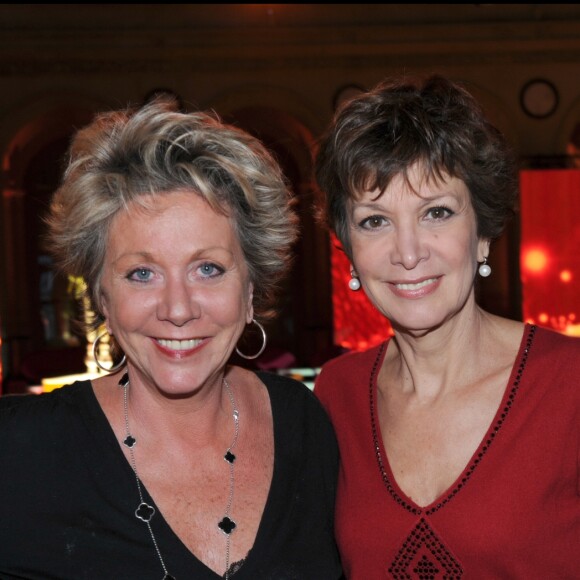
[[125, 155]]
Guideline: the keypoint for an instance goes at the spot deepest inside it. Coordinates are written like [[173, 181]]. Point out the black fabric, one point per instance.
[[68, 496]]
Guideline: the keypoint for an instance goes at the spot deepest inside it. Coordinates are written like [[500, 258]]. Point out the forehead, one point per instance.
[[169, 215], [155, 203], [416, 180]]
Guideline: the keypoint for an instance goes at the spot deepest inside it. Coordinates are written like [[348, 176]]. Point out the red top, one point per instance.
[[514, 512]]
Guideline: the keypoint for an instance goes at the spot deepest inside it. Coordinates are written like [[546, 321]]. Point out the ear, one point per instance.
[[103, 307], [483, 245], [250, 304]]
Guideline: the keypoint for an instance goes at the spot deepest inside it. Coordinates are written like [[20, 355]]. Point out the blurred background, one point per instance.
[[279, 71]]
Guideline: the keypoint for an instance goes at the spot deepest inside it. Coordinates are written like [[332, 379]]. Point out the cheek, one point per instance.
[[363, 249], [464, 245], [125, 317], [128, 311], [228, 307]]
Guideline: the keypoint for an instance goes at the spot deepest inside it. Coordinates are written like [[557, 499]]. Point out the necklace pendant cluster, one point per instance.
[[145, 512]]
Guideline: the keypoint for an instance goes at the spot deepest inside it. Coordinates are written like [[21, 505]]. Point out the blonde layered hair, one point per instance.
[[125, 156]]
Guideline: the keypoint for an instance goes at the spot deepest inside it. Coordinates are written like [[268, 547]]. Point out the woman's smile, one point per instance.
[[179, 349], [415, 290], [173, 344]]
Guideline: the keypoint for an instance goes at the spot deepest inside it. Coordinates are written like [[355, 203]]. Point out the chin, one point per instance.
[[179, 390], [416, 326]]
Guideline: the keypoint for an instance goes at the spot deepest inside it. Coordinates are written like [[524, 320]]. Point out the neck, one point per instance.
[[432, 363], [200, 418]]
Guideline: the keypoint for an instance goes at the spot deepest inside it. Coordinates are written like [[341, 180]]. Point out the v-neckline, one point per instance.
[[494, 429], [166, 530]]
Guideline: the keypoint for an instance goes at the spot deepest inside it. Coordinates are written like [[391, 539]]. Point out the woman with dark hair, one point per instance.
[[177, 464], [459, 436]]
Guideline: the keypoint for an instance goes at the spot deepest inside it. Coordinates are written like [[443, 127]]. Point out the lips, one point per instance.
[[416, 289], [416, 285]]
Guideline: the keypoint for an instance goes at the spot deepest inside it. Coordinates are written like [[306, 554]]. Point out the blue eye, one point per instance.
[[210, 270], [140, 275], [439, 213]]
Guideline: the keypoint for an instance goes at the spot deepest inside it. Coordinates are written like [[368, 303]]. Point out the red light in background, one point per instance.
[[357, 323], [535, 260], [550, 240]]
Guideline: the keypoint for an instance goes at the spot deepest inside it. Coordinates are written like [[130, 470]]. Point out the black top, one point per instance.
[[68, 495]]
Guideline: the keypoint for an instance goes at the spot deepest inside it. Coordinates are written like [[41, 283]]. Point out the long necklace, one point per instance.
[[145, 512]]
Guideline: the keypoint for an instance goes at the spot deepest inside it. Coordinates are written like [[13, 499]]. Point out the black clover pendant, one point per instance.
[[229, 457], [145, 512], [227, 526], [129, 441]]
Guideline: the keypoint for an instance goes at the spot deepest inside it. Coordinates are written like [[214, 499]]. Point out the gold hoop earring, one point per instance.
[[98, 363], [264, 342]]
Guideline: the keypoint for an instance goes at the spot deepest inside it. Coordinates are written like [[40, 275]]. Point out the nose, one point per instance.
[[177, 303], [410, 247]]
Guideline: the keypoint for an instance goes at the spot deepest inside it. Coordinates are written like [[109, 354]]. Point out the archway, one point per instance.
[[35, 307], [304, 324]]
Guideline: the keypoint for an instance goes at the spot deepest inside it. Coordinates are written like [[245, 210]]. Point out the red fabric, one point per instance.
[[513, 513]]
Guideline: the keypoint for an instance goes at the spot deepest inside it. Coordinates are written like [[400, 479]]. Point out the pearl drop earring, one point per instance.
[[484, 269], [354, 282]]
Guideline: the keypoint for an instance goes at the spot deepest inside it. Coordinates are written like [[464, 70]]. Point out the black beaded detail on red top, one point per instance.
[[484, 448], [423, 555]]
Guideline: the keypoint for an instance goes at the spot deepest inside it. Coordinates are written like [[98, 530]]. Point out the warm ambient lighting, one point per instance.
[[357, 324], [53, 383], [534, 260], [550, 244]]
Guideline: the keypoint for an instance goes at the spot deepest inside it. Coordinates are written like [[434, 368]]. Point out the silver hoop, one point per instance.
[[264, 342], [99, 364]]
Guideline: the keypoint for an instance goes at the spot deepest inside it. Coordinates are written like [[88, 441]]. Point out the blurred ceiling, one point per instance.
[[192, 16]]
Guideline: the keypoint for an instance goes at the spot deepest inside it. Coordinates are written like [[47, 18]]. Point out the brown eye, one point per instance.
[[439, 213], [372, 222]]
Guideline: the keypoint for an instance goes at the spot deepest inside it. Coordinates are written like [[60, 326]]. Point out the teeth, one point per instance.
[[416, 286], [179, 344]]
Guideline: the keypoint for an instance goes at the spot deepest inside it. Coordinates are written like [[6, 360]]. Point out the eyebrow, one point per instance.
[[142, 255], [379, 206], [148, 256]]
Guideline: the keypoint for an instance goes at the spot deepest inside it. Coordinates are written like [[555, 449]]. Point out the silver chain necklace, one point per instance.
[[145, 512]]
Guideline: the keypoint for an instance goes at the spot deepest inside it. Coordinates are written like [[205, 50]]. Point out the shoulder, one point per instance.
[[552, 365], [556, 345], [352, 359], [39, 411], [295, 405], [342, 380], [287, 391], [348, 368]]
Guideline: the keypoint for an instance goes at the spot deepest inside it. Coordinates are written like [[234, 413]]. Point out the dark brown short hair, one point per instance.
[[434, 122]]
